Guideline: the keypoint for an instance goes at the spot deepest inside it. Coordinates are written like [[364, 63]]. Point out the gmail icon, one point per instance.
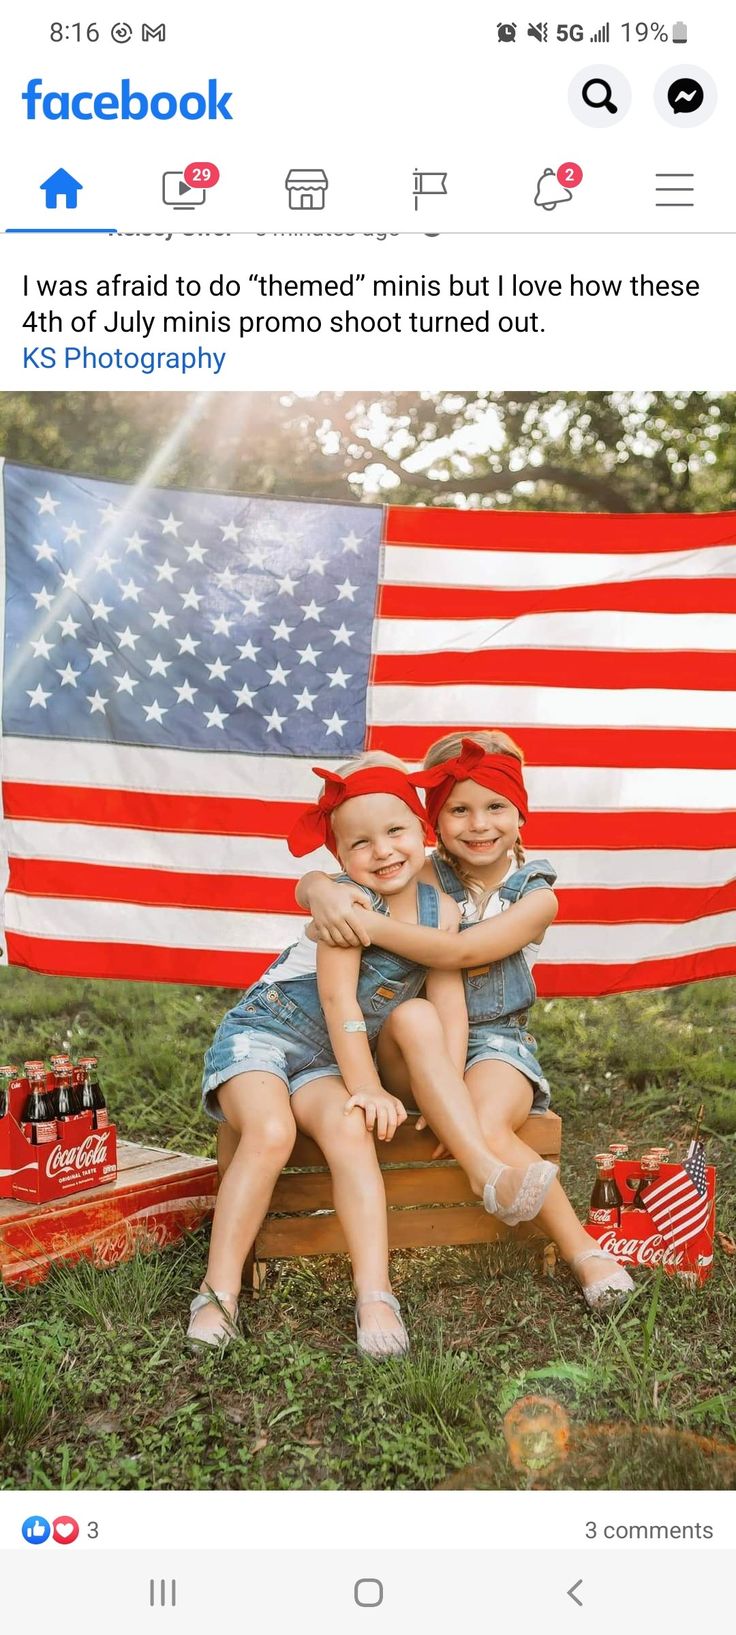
[[153, 31]]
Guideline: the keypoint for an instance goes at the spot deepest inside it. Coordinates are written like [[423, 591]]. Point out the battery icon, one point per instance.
[[679, 34]]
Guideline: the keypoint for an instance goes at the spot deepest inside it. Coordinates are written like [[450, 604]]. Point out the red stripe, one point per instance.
[[256, 894], [138, 809], [594, 981], [168, 888], [488, 602], [212, 968], [563, 532], [559, 667], [580, 746]]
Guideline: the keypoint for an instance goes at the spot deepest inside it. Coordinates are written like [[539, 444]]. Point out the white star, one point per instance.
[[287, 585], [187, 644], [46, 504], [305, 699], [133, 542], [346, 591], [342, 635], [275, 722], [44, 551], [97, 702], [99, 654], [109, 513], [230, 531], [245, 696], [248, 651], [125, 683], [317, 564], [283, 632], [73, 533], [41, 648], [126, 637], [68, 676], [221, 626], [334, 724], [186, 692], [196, 552], [161, 619], [166, 571], [169, 524], [37, 696], [278, 676], [68, 626], [106, 562], [350, 542], [251, 605], [159, 665], [43, 598], [191, 599], [215, 718], [100, 610], [218, 670], [308, 654], [154, 711], [312, 611], [226, 578], [131, 591], [256, 557], [70, 580], [338, 678]]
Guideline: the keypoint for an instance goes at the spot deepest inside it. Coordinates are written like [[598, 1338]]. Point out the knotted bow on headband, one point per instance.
[[314, 827], [500, 772]]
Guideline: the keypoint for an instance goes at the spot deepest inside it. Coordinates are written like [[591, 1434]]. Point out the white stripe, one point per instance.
[[641, 868], [72, 920], [630, 944], [541, 570], [148, 849], [614, 789], [170, 771], [633, 632], [552, 706]]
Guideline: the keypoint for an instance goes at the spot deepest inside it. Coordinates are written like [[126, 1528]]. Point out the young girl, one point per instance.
[[295, 1052], [477, 802]]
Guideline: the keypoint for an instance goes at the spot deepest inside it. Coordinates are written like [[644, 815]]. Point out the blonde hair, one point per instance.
[[371, 757], [494, 742]]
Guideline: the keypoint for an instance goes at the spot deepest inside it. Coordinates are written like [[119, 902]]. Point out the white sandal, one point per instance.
[[535, 1184], [225, 1330], [377, 1342], [609, 1289]]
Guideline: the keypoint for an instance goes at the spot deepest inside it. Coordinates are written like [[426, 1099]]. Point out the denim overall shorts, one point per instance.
[[279, 1027], [498, 996]]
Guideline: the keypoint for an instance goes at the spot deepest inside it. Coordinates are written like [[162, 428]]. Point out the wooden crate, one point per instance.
[[430, 1201], [156, 1198]]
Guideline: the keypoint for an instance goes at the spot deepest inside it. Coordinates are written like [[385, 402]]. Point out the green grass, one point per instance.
[[97, 1389]]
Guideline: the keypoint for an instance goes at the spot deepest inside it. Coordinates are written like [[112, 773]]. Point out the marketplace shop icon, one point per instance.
[[306, 189]]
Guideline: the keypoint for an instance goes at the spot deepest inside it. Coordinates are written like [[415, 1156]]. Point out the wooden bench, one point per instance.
[[429, 1200]]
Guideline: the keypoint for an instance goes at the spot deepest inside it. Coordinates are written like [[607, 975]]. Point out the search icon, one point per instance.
[[597, 100]]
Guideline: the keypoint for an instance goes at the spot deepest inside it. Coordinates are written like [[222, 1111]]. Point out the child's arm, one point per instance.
[[446, 992], [525, 921], [337, 979], [335, 915]]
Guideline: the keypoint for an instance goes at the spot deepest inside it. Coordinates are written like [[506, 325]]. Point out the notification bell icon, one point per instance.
[[550, 191]]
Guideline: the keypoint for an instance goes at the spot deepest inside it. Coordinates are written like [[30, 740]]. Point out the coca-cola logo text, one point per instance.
[[90, 1152], [653, 1251]]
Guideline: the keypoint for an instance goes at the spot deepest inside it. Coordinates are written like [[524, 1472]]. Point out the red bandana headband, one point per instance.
[[500, 772], [314, 827]]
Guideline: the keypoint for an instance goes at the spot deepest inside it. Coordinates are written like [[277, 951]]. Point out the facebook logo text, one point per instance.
[[125, 104]]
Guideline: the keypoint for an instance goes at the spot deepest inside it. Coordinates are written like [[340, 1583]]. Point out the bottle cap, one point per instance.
[[87, 1061]]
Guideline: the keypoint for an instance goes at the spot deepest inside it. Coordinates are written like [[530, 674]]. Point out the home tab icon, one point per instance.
[[61, 186], [306, 189]]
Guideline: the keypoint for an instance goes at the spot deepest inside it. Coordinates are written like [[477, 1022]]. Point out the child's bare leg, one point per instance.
[[227, 1146], [256, 1107], [357, 1188], [413, 1045], [502, 1098]]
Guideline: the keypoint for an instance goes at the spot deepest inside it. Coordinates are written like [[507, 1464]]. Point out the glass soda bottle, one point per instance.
[[92, 1097], [39, 1108], [8, 1071], [605, 1199], [66, 1101], [619, 1150]]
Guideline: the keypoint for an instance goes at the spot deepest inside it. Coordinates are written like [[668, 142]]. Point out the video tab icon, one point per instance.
[[177, 192]]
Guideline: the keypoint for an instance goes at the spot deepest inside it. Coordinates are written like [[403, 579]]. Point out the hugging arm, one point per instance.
[[334, 907], [525, 921]]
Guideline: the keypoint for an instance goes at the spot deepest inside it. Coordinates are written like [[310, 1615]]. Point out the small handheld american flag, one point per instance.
[[680, 1205]]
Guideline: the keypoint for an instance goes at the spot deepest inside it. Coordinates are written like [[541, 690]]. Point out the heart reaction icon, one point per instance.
[[65, 1529]]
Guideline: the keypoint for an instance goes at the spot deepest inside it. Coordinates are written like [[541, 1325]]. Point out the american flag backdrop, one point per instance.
[[175, 662]]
